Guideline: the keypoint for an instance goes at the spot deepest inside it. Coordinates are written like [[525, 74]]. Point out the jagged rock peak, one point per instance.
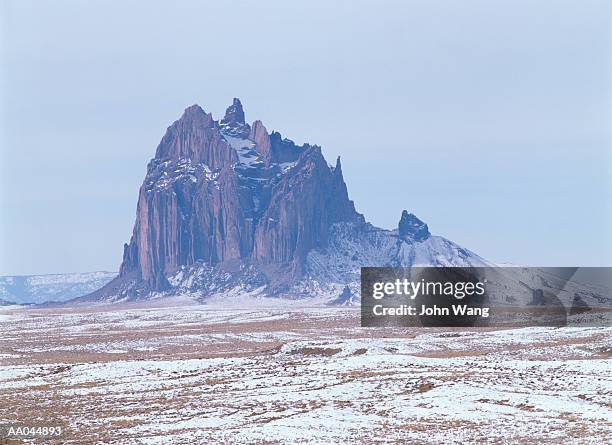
[[194, 110], [338, 167], [233, 123], [259, 135], [234, 113], [195, 115], [411, 228], [191, 136]]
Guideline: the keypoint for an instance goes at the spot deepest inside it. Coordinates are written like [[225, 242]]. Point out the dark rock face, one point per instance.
[[412, 228], [228, 194]]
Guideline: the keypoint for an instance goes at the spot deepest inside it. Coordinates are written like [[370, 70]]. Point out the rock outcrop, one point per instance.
[[227, 207], [412, 228], [229, 195]]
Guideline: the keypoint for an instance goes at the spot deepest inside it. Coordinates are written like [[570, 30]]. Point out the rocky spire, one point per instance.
[[338, 167], [260, 136], [233, 123], [234, 113], [411, 228], [195, 136]]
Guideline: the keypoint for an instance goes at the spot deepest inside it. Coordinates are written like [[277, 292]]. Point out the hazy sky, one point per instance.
[[491, 121]]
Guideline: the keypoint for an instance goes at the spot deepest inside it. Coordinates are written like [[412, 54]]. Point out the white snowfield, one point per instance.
[[352, 247], [221, 375]]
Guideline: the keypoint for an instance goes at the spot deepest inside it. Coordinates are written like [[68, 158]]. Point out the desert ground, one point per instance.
[[205, 374]]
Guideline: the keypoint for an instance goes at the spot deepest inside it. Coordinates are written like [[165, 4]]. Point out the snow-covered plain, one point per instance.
[[211, 374]]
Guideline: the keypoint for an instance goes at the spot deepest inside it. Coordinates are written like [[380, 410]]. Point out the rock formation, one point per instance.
[[412, 228], [228, 194]]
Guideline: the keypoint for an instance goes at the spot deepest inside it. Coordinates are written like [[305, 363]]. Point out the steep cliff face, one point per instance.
[[228, 194], [302, 207]]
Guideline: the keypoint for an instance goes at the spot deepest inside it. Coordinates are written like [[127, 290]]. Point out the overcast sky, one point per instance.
[[491, 121]]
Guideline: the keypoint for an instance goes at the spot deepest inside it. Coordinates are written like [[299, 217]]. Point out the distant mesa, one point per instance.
[[37, 289]]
